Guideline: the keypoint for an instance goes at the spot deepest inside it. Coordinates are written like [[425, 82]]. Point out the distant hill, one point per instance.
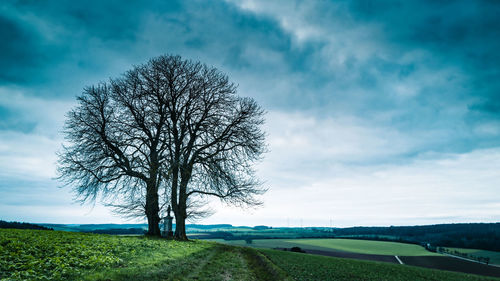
[[22, 225], [484, 236], [119, 231]]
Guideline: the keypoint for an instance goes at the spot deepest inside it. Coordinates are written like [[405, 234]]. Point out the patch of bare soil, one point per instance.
[[452, 264]]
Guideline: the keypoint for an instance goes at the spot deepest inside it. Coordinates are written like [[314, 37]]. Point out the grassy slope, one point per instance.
[[347, 245], [494, 256], [313, 267], [54, 255]]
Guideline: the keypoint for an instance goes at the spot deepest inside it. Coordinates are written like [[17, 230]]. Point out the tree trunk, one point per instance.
[[180, 220], [181, 214], [180, 228], [152, 210]]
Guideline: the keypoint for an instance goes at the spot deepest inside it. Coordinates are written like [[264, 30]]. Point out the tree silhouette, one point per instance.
[[168, 131]]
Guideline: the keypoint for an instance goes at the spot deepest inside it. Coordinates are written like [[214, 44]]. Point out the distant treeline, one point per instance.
[[22, 225], [113, 229], [210, 226], [485, 236], [116, 231]]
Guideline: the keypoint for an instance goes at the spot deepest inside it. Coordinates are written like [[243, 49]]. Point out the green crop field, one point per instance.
[[57, 255], [313, 267], [347, 245], [367, 246], [494, 256]]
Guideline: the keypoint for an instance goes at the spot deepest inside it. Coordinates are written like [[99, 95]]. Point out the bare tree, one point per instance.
[[170, 125], [115, 149]]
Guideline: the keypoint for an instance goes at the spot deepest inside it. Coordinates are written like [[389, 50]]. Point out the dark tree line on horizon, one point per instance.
[[22, 225], [168, 132], [484, 236]]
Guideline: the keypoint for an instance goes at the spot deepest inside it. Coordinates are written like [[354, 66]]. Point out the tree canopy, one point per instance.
[[170, 131]]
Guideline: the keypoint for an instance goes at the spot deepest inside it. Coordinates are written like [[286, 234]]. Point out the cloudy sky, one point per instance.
[[378, 112]]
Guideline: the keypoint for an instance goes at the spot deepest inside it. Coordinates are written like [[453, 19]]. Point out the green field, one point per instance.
[[494, 256], [57, 255], [346, 245], [368, 247]]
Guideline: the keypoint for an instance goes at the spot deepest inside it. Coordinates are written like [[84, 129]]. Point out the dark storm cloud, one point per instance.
[[51, 38], [426, 68], [462, 33], [43, 38], [19, 55], [362, 62], [63, 45]]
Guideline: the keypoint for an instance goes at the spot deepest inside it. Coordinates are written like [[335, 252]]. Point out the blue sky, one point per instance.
[[378, 112]]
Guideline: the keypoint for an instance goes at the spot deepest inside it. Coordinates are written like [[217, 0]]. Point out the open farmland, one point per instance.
[[56, 255], [313, 267], [409, 254], [344, 245]]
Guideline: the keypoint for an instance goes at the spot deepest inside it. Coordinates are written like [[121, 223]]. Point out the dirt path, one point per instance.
[[235, 263], [196, 270], [263, 268]]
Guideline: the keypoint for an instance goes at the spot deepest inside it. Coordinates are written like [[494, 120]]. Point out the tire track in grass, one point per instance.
[[193, 275], [262, 267], [226, 263]]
